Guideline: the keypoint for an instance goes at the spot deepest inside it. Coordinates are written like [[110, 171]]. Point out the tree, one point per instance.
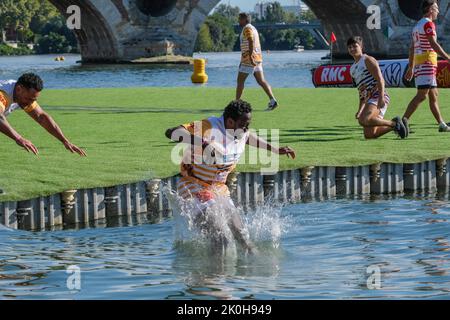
[[222, 32], [230, 12], [17, 14], [275, 13], [204, 42], [308, 16], [45, 13], [53, 43]]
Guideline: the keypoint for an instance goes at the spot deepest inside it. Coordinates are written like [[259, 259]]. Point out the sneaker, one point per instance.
[[406, 124], [444, 127], [399, 127], [272, 105]]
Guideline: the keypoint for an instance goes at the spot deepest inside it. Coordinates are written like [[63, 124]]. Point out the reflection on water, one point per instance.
[[325, 254], [283, 69]]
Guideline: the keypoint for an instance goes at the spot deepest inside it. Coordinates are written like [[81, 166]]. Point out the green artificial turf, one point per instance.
[[122, 131]]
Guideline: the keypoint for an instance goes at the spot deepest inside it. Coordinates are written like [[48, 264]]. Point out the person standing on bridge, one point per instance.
[[251, 60], [423, 62], [22, 94]]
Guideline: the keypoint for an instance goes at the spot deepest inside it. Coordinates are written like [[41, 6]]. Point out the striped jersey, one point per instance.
[[7, 104], [364, 81], [425, 57], [250, 34]]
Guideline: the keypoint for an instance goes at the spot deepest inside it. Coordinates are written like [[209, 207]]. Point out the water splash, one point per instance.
[[4, 228], [194, 232]]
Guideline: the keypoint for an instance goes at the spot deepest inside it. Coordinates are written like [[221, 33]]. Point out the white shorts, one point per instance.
[[244, 68], [374, 100], [426, 81]]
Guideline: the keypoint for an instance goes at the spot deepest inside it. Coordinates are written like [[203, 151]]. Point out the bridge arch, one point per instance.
[[117, 30], [95, 38]]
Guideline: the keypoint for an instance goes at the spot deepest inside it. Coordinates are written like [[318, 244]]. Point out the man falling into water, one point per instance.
[[251, 60], [23, 94], [217, 144], [423, 62]]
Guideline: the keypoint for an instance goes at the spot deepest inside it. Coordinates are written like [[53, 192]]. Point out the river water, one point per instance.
[[388, 248], [285, 69]]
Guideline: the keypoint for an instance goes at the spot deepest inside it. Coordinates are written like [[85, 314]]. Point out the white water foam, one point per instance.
[[263, 226]]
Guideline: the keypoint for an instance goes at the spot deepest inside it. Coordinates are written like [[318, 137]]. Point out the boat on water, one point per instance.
[[299, 48]]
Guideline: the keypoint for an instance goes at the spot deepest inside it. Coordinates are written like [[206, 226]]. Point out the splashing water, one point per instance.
[[3, 228], [200, 227]]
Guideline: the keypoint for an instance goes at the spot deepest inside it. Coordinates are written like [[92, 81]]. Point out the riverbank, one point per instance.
[[122, 131]]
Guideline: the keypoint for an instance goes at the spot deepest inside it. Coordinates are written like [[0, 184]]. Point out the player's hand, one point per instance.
[[74, 149], [287, 151], [409, 74], [27, 145]]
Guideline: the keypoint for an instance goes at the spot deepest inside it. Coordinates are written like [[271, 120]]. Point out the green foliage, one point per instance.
[[53, 43], [6, 50], [204, 41], [273, 39], [217, 33], [38, 22]]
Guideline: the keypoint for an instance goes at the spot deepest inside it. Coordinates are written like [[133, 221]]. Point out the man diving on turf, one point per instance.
[[23, 94]]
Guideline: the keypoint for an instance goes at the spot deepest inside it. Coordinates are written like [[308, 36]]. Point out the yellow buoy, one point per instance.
[[199, 75]]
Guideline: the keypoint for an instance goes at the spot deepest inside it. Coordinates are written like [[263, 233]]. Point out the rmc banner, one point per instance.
[[393, 72]]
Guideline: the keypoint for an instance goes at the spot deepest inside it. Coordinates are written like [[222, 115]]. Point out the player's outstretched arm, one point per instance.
[[47, 122], [181, 134], [9, 131], [260, 143]]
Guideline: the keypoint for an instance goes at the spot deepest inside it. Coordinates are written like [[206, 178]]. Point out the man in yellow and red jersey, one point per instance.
[[217, 144], [23, 94], [423, 62], [251, 60]]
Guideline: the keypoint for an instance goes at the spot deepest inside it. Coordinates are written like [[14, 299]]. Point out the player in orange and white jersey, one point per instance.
[[23, 94], [251, 60], [423, 62], [217, 144]]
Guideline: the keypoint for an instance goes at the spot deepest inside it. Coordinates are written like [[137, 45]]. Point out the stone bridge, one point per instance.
[[124, 30]]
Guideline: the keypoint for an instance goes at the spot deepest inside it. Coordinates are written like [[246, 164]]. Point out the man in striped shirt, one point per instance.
[[217, 144], [251, 60], [423, 60]]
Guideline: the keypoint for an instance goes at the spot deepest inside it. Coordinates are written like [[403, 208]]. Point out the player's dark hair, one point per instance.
[[236, 109], [427, 4], [246, 16], [31, 81], [354, 40]]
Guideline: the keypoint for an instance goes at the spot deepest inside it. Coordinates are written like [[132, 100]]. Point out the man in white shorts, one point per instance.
[[373, 97], [251, 60], [423, 61]]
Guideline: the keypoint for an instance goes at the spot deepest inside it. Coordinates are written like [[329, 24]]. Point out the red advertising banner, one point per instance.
[[393, 72]]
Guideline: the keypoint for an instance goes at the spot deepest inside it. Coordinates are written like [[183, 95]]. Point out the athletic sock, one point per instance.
[[443, 125], [273, 101]]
